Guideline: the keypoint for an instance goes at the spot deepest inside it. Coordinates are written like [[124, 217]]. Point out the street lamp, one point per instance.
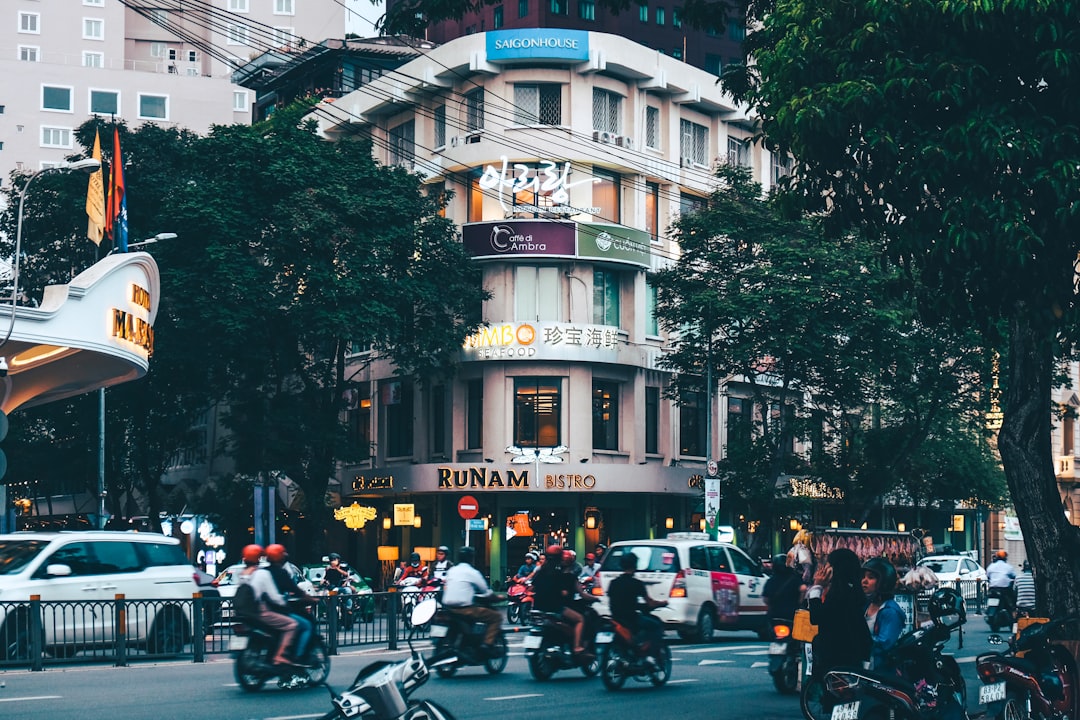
[[149, 241], [86, 165]]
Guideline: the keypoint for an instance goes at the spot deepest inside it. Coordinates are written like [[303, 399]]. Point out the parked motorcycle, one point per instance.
[[458, 643], [999, 612], [381, 690], [784, 655], [621, 656], [519, 601], [550, 643], [255, 646], [1041, 685]]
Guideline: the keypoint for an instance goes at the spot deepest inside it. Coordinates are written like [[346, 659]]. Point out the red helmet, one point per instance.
[[569, 556], [554, 552], [276, 553], [590, 557], [252, 554]]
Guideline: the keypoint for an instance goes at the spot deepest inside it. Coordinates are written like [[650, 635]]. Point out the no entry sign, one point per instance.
[[468, 507]]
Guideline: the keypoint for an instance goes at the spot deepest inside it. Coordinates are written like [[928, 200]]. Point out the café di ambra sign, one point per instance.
[[543, 341], [557, 239]]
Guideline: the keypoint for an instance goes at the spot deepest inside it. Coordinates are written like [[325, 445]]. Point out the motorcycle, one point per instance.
[[382, 689], [550, 643], [784, 654], [519, 601], [413, 590], [1041, 685], [255, 646], [622, 657], [929, 685], [458, 643], [999, 614]]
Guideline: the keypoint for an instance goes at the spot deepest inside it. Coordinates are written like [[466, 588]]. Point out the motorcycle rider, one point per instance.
[[570, 563], [554, 589], [336, 577], [266, 592], [783, 591], [884, 617], [442, 563], [624, 593], [463, 585], [283, 580], [1001, 575], [415, 569], [526, 571], [1025, 590], [590, 568], [837, 606]]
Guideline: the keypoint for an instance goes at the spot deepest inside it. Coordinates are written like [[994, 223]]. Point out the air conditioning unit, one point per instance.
[[687, 162], [608, 137], [625, 141], [455, 141], [472, 138]]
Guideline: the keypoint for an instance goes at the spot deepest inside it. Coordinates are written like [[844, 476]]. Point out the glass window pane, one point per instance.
[[537, 412], [605, 409], [56, 98]]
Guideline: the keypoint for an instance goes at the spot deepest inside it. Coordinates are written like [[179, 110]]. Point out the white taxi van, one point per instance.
[[709, 585], [78, 574]]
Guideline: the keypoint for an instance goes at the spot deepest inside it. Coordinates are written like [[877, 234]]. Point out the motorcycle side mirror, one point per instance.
[[995, 640], [423, 612]]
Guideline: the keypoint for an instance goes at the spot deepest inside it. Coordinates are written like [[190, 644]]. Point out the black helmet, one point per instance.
[[334, 556], [779, 561], [886, 576], [467, 555], [628, 561], [414, 559], [946, 608]]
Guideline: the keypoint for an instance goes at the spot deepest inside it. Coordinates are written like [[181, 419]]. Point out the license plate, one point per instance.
[[439, 631], [992, 693], [846, 711], [238, 642], [605, 638], [778, 648], [993, 602], [532, 642]]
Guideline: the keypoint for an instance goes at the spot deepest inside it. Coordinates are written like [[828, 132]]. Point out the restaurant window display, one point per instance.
[[605, 410], [537, 412]]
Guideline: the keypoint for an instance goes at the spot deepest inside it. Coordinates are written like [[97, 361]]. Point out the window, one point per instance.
[[172, 53], [677, 53], [643, 13], [29, 53], [397, 400], [736, 30], [586, 9], [237, 35], [692, 424], [560, 7], [93, 29], [537, 293], [497, 21], [358, 406], [661, 18], [55, 137], [694, 142], [691, 203], [652, 323], [605, 415], [116, 557], [474, 110], [652, 419], [104, 102], [738, 152], [738, 420], [159, 17], [239, 100], [30, 23], [93, 59], [403, 143], [192, 55], [474, 414], [718, 558], [284, 7], [741, 564], [606, 111], [713, 63], [781, 167], [238, 6], [161, 554], [77, 556], [56, 98], [652, 210], [652, 127], [438, 421], [154, 107], [440, 126], [537, 411], [538, 104], [606, 194], [605, 298], [157, 49], [523, 8], [1068, 429], [676, 17]]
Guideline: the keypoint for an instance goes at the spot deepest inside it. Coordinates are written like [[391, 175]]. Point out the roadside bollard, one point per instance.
[[120, 623]]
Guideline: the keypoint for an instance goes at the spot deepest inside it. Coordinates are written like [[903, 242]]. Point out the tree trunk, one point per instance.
[[1052, 543]]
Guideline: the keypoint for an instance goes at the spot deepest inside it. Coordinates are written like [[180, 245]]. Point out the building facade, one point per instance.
[[566, 155]]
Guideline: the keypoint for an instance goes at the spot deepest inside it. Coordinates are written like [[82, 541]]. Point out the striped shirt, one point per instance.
[[1025, 590]]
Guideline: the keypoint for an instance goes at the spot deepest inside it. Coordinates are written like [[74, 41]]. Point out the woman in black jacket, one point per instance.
[[836, 603]]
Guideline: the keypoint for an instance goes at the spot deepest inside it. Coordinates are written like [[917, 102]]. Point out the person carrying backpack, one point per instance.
[[254, 603]]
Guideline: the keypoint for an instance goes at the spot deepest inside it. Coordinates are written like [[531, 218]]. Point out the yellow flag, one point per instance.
[[95, 199]]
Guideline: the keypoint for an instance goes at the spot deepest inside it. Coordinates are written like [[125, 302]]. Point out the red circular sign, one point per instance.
[[468, 507]]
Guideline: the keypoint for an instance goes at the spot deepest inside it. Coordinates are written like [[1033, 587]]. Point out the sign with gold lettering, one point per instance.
[[404, 513], [355, 515], [376, 482]]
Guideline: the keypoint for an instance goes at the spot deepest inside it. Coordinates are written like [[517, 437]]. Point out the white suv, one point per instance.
[[709, 585], [151, 571]]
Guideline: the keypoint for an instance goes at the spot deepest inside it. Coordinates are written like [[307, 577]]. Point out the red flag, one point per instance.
[[115, 206]]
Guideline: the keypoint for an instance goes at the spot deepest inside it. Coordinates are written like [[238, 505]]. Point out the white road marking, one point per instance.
[[294, 717], [515, 697], [715, 648], [755, 652], [759, 665], [683, 680], [32, 697], [715, 662]]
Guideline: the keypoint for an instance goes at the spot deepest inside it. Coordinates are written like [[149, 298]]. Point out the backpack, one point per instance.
[[244, 603]]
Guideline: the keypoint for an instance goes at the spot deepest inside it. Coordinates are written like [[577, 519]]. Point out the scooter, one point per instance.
[[998, 612], [1043, 684], [519, 601], [784, 655], [255, 646], [550, 643], [413, 590], [458, 643], [381, 690], [621, 656]]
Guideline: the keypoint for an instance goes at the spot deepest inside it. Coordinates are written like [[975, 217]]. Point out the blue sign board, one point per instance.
[[538, 44], [476, 524]]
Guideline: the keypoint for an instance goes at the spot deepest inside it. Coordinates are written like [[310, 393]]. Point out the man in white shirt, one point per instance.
[[266, 592], [464, 584], [1000, 574]]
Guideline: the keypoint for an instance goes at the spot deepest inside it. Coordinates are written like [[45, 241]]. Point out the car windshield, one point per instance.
[[228, 575], [940, 565], [650, 558], [15, 554]]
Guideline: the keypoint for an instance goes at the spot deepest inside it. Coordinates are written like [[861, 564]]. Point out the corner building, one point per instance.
[[568, 154]]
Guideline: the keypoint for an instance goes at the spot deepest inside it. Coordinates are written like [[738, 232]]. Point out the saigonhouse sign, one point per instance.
[[537, 43], [543, 341]]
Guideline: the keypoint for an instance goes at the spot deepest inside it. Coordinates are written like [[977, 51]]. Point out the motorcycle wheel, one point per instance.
[[513, 613], [1012, 709], [246, 668], [320, 662], [426, 710], [593, 667], [495, 665], [541, 667], [815, 700], [611, 669], [525, 612], [786, 679], [663, 673]]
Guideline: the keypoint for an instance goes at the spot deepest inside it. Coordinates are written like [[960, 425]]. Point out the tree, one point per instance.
[[949, 128]]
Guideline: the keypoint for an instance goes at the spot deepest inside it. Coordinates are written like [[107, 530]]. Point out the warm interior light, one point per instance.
[[669, 523], [702, 524], [37, 354], [427, 554], [793, 524], [901, 527], [387, 553], [416, 521], [863, 526], [957, 523], [386, 523], [834, 524], [590, 522]]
